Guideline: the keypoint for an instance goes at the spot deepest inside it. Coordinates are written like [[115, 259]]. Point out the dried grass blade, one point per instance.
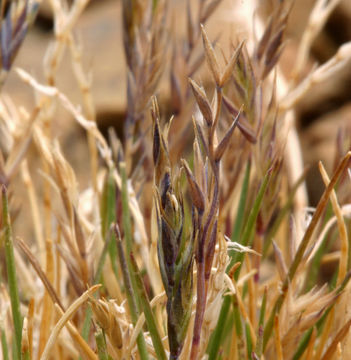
[[83, 347], [303, 245], [264, 41], [279, 260], [283, 212], [81, 244], [47, 306], [35, 213], [277, 341], [324, 336], [337, 339], [73, 270], [49, 288], [344, 242], [65, 319], [208, 10], [30, 318], [191, 27], [22, 145], [320, 323], [317, 18], [25, 342], [310, 348]]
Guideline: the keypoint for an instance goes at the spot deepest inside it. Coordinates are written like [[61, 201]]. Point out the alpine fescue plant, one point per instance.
[[175, 243], [189, 242]]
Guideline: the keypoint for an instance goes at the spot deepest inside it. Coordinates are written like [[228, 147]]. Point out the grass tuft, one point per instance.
[[193, 237]]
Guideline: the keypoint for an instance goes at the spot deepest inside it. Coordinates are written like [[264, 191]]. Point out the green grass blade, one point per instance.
[[101, 345], [97, 279], [239, 329], [102, 259], [241, 206], [127, 225], [237, 318], [303, 344], [227, 333], [250, 224], [87, 323], [149, 316], [108, 217], [131, 299], [127, 229], [259, 343], [26, 356], [248, 340], [240, 213], [11, 273], [282, 213], [217, 337], [263, 308], [4, 347]]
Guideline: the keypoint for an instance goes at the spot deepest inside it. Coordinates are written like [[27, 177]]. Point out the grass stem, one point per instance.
[[4, 347], [101, 345], [149, 316], [217, 337], [131, 296], [11, 273]]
